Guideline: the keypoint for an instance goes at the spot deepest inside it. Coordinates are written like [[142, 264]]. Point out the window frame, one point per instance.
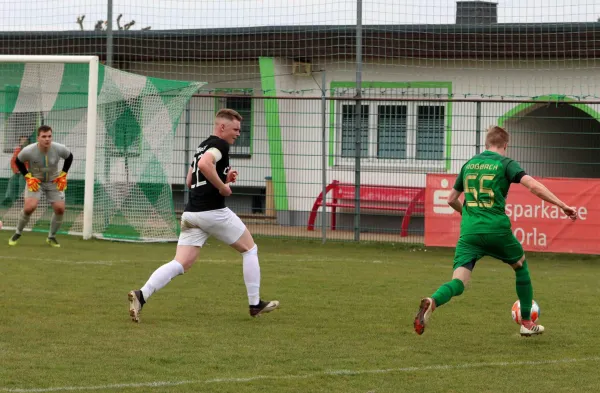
[[372, 160], [416, 132], [436, 89], [221, 95]]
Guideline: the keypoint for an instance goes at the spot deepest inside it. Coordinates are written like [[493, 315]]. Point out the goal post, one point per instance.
[[120, 127], [90, 151]]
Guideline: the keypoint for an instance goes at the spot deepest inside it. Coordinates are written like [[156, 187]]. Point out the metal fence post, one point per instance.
[[109, 34], [187, 151], [324, 155], [478, 129], [358, 121]]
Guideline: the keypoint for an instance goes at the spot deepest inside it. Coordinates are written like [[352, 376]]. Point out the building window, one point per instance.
[[349, 130], [19, 124], [244, 106], [392, 132], [430, 132]]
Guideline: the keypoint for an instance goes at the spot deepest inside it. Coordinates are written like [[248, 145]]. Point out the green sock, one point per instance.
[[447, 291], [524, 290]]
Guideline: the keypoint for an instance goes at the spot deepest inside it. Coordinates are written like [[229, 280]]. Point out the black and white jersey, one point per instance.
[[203, 195]]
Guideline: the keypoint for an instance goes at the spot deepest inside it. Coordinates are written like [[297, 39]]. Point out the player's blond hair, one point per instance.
[[228, 114], [496, 137]]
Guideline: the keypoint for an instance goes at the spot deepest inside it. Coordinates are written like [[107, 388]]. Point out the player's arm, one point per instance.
[[65, 154], [61, 179], [67, 163], [454, 202], [457, 189], [21, 165], [188, 178], [542, 192], [33, 183], [207, 166], [13, 163]]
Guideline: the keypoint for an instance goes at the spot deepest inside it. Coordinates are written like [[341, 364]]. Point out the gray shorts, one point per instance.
[[49, 189]]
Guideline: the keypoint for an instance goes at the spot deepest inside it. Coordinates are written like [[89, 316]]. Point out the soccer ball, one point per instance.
[[516, 312]]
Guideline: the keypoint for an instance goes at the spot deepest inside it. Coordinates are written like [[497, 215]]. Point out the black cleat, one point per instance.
[[263, 307]]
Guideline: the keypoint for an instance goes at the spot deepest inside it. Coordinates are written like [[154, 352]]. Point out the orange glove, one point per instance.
[[33, 183], [61, 181]]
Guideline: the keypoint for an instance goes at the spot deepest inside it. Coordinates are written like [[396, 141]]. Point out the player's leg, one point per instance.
[[231, 230], [57, 217], [184, 259], [525, 295], [508, 249], [251, 270], [190, 241], [29, 206], [468, 252], [57, 201]]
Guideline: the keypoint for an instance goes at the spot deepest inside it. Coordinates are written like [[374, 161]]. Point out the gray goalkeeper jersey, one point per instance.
[[42, 165]]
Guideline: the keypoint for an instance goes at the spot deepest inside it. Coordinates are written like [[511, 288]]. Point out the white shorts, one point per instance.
[[223, 224], [49, 189]]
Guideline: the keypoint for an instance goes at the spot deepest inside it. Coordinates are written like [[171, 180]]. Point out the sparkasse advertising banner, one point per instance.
[[538, 225]]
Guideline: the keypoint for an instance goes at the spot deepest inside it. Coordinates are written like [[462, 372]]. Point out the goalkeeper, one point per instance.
[[43, 176]]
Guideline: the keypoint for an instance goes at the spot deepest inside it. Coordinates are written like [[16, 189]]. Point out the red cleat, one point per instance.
[[426, 308]]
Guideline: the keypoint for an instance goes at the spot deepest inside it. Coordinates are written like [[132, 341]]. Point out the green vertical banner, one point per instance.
[[267, 74]]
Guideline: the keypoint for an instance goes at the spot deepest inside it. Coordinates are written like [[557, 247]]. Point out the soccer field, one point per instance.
[[345, 322]]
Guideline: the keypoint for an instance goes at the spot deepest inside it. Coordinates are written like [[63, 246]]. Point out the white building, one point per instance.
[[448, 67]]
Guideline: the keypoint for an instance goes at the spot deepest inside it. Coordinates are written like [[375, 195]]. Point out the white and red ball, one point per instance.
[[516, 312]]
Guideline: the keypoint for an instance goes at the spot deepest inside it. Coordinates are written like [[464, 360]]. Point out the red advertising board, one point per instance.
[[538, 225]]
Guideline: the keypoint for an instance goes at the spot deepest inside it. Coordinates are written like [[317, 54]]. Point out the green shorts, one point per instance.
[[502, 246]]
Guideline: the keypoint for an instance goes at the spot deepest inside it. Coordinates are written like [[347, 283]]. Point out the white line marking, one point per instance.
[[299, 376], [107, 263], [101, 262], [232, 260]]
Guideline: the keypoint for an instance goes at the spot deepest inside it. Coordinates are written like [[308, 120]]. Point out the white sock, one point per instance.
[[161, 277], [252, 275]]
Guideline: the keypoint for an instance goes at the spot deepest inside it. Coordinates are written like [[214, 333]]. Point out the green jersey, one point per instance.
[[485, 180]]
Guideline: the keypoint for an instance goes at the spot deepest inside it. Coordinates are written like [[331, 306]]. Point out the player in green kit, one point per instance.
[[485, 228]]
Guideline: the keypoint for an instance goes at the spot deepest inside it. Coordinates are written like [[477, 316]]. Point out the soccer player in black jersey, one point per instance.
[[208, 178]]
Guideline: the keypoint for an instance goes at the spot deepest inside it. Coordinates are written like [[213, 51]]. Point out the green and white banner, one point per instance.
[[137, 117]]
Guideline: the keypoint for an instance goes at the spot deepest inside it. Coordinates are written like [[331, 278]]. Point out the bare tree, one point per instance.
[[80, 21], [98, 26], [119, 21], [101, 24]]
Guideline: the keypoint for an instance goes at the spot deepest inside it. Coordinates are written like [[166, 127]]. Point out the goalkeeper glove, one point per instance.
[[61, 181], [33, 183]]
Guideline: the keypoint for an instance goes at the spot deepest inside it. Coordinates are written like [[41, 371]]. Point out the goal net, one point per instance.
[[131, 152]]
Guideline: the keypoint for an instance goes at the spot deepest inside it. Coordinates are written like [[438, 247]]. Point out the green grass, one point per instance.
[[64, 321]]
